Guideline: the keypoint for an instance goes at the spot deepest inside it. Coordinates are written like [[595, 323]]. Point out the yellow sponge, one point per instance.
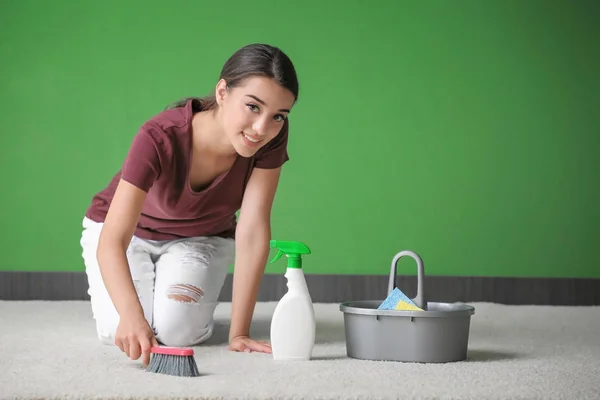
[[402, 305], [397, 300]]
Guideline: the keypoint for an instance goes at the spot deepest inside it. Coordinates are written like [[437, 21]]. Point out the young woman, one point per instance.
[[158, 240]]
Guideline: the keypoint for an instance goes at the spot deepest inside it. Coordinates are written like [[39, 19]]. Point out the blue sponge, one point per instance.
[[397, 300]]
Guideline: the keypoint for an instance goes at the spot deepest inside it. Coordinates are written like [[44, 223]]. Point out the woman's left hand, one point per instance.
[[245, 344]]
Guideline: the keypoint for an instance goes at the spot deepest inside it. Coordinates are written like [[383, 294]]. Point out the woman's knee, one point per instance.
[[105, 317], [182, 317], [106, 335]]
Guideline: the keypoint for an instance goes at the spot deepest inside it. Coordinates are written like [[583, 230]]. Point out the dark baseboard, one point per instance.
[[16, 285]]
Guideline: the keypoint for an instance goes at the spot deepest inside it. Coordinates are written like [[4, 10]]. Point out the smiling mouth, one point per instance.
[[250, 138]]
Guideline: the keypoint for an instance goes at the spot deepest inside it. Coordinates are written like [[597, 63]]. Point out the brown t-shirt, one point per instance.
[[158, 162]]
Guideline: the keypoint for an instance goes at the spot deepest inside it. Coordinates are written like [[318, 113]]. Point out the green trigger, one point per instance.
[[277, 257]]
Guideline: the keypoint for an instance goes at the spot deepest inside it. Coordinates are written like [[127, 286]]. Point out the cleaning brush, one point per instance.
[[175, 361]]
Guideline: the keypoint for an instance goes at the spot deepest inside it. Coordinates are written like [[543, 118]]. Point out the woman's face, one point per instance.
[[253, 113]]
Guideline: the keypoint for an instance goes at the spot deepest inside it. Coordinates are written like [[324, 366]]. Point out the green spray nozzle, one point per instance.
[[293, 250]]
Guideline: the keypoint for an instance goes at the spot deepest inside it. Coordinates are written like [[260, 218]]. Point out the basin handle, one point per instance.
[[419, 299]]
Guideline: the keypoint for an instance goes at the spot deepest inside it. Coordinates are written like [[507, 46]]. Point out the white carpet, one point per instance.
[[48, 350]]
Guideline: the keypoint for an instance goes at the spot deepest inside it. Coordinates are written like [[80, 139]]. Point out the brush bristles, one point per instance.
[[173, 365]]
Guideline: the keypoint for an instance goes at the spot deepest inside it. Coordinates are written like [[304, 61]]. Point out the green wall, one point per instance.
[[465, 131]]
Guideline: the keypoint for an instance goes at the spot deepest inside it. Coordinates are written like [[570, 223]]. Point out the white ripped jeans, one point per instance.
[[178, 283]]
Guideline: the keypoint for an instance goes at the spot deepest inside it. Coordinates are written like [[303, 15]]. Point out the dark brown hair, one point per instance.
[[251, 60]]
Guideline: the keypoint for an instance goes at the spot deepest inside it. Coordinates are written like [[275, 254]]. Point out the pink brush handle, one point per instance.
[[172, 351]]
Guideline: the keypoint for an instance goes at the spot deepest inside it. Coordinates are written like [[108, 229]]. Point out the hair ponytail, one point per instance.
[[198, 103]]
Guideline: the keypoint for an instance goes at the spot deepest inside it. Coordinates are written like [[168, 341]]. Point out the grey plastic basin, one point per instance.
[[438, 334]]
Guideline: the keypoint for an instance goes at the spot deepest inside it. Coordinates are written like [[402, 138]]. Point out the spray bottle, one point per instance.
[[293, 324]]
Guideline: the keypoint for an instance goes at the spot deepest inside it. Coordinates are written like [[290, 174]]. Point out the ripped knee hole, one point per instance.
[[185, 293]]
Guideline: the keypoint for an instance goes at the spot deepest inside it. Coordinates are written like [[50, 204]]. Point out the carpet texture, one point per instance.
[[49, 351]]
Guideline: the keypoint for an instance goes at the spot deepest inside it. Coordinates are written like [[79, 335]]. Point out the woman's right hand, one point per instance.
[[135, 337]]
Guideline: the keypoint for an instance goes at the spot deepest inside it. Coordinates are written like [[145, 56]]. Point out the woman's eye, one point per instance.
[[254, 108]]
